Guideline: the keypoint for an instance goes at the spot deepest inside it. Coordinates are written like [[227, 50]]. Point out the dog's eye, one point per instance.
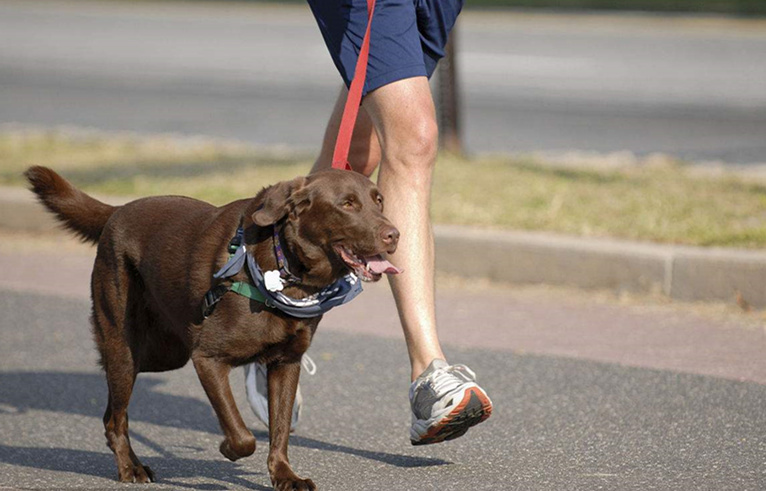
[[379, 201], [349, 202]]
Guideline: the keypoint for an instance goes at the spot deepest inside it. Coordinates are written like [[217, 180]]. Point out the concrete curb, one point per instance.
[[683, 273]]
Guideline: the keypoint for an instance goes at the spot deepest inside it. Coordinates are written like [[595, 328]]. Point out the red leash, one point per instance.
[[354, 99]]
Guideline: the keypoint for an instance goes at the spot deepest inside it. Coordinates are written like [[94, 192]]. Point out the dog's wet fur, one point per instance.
[[155, 261]]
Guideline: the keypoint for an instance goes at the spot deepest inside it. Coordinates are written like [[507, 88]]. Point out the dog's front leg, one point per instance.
[[283, 383], [239, 441]]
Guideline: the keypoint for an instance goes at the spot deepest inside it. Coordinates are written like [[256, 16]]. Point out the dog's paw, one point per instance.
[[137, 474], [283, 478], [295, 484]]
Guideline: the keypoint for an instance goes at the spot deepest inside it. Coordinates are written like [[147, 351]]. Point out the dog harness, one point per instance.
[[266, 287]]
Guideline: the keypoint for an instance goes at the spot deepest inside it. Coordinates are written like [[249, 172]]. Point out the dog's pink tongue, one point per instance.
[[378, 265]]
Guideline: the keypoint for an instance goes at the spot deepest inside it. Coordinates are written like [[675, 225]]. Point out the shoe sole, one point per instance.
[[472, 410]]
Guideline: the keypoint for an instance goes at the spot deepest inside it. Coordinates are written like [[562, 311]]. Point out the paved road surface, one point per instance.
[[692, 88], [589, 394]]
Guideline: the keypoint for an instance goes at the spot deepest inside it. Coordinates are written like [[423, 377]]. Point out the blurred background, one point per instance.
[[657, 76]]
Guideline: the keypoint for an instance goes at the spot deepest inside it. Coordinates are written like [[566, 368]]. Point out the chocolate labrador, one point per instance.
[[156, 262]]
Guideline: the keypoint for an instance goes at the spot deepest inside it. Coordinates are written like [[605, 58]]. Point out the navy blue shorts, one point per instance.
[[407, 37]]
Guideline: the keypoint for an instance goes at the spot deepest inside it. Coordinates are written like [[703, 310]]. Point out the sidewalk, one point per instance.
[[678, 272]]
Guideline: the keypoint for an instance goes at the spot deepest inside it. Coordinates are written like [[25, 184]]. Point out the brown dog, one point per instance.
[[155, 261]]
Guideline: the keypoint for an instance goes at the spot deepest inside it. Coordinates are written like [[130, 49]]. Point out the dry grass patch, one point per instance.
[[661, 203], [133, 165]]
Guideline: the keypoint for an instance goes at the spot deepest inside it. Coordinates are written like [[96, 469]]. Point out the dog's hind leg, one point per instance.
[[129, 467], [113, 316]]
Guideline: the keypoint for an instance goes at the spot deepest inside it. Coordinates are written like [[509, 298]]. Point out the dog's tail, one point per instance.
[[80, 213]]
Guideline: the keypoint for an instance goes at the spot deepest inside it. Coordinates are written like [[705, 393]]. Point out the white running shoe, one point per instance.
[[446, 401], [257, 389]]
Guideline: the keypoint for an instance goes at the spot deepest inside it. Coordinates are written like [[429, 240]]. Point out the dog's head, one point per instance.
[[334, 223]]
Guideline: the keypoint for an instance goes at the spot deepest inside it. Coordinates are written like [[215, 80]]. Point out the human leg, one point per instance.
[[445, 400], [396, 128], [397, 123], [405, 123], [364, 154]]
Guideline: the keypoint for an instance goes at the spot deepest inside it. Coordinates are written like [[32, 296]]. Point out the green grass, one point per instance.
[[661, 203], [657, 203]]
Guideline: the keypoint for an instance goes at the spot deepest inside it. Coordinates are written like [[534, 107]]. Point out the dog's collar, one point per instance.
[[282, 277], [266, 290], [284, 270]]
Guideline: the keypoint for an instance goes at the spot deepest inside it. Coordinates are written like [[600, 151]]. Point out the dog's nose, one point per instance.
[[390, 236]]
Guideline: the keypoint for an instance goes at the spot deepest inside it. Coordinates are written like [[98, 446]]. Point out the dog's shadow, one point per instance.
[[100, 465], [85, 393]]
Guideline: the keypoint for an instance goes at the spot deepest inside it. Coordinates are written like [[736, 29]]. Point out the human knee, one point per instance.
[[364, 158], [416, 146]]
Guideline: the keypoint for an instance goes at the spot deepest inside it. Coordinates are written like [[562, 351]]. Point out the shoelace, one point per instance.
[[309, 365], [444, 380]]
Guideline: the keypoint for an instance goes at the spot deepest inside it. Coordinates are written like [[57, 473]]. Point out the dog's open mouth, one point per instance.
[[368, 268]]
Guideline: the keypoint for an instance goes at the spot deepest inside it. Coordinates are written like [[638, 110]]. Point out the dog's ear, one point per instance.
[[280, 199]]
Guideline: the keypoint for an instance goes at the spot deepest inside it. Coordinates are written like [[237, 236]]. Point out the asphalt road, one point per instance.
[[559, 423], [588, 395], [693, 88]]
